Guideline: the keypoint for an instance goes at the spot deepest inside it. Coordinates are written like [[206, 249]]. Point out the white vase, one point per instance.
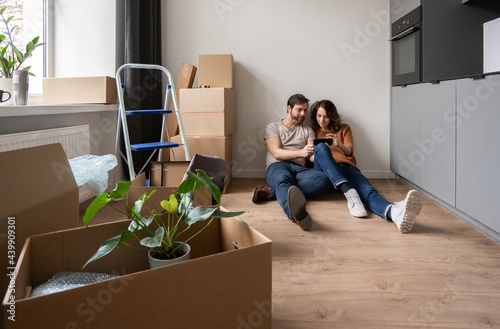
[[6, 85], [155, 263]]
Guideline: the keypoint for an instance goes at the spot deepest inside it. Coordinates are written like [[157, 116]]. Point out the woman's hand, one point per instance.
[[335, 139], [346, 149]]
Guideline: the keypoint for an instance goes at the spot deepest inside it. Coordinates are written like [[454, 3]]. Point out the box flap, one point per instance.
[[39, 193]]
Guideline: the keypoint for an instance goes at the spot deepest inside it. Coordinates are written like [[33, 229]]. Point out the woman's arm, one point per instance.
[[345, 148]]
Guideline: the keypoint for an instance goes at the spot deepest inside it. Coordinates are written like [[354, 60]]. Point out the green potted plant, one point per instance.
[[159, 231], [11, 58]]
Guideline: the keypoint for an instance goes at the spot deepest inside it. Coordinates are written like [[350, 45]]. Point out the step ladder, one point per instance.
[[122, 120]]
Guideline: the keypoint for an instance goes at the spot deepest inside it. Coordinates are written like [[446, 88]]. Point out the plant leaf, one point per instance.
[[186, 201], [170, 204], [226, 214], [155, 241], [134, 224], [202, 178], [97, 204], [109, 245], [137, 208], [198, 214], [121, 190], [19, 55]]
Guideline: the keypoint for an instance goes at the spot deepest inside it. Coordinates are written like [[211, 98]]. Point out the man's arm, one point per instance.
[[274, 146]]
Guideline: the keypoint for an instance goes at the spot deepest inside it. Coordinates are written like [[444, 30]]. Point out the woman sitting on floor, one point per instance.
[[346, 176]]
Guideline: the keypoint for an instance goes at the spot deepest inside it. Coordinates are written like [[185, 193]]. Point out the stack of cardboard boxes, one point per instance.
[[209, 114]]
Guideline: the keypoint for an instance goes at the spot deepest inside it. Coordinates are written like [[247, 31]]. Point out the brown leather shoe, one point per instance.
[[297, 206], [261, 193]]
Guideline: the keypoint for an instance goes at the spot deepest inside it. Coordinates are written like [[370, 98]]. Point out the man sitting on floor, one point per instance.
[[289, 143]]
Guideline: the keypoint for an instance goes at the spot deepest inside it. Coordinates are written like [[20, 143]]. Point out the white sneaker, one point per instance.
[[354, 204], [403, 213]]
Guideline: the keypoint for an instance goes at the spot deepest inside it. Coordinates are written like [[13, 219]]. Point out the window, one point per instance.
[[29, 23]]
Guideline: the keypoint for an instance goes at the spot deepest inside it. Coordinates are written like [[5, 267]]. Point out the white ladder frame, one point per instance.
[[122, 116]]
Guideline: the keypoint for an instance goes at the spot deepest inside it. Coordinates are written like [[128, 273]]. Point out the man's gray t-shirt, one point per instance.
[[291, 139]]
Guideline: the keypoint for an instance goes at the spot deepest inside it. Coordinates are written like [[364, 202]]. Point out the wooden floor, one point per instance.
[[363, 273]]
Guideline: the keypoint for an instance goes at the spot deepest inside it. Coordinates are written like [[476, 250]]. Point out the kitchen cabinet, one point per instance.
[[405, 131], [437, 140], [478, 149], [423, 137]]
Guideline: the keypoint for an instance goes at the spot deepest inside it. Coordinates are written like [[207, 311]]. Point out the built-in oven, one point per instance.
[[406, 49]]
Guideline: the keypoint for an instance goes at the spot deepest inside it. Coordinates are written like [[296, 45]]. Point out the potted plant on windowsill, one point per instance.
[[12, 59], [159, 231]]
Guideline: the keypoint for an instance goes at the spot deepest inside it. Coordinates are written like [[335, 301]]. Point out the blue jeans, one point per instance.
[[281, 175], [344, 173]]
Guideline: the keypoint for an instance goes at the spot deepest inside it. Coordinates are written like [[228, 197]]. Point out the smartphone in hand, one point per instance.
[[329, 141]]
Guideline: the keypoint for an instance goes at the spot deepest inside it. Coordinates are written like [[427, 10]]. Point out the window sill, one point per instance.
[[44, 109]]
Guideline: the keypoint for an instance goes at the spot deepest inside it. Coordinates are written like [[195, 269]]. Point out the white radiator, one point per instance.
[[75, 141]]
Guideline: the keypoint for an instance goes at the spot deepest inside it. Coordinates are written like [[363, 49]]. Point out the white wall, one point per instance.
[[83, 38], [335, 49]]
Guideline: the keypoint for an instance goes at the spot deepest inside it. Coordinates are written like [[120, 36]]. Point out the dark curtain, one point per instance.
[[143, 88]]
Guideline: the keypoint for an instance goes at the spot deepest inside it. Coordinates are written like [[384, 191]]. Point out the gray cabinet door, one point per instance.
[[405, 132], [478, 149], [437, 140]]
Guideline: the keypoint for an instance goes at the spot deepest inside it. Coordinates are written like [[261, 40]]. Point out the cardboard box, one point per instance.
[[185, 80], [219, 287], [168, 173], [80, 90], [208, 124], [219, 146], [38, 194], [216, 70], [207, 100], [208, 111]]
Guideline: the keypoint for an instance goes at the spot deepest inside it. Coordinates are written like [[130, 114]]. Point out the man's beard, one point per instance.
[[296, 119]]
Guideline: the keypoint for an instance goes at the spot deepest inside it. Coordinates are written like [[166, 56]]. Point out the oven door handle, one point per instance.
[[404, 33]]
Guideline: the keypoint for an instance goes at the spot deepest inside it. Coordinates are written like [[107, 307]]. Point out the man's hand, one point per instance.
[[308, 150]]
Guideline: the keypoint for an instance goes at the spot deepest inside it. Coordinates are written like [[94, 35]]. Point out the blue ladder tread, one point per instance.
[[153, 146], [143, 112]]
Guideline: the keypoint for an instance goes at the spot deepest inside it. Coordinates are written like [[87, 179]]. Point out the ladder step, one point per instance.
[[153, 146], [142, 112]]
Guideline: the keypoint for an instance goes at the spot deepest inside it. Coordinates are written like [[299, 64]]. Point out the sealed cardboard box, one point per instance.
[[208, 111], [216, 70], [219, 146], [38, 194], [219, 287], [209, 124], [79, 90], [207, 100]]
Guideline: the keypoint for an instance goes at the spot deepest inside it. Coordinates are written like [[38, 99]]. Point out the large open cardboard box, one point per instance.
[[219, 287], [38, 194]]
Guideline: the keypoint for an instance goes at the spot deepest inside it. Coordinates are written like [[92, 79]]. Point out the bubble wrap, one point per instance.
[[67, 280], [93, 171]]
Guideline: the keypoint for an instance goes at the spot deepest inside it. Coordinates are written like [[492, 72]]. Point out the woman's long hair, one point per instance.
[[331, 112]]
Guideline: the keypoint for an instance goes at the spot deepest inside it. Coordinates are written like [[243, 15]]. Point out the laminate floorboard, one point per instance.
[[362, 273]]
